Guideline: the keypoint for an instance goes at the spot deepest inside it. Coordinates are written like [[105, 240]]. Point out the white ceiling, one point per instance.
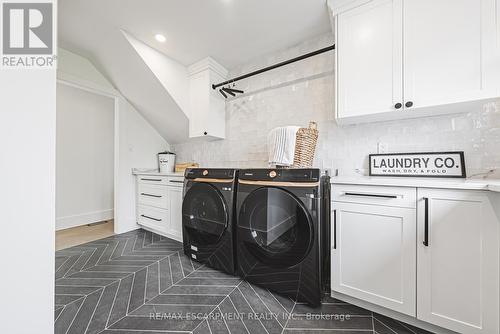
[[231, 31]]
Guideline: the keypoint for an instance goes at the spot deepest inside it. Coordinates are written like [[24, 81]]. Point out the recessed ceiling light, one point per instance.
[[160, 38]]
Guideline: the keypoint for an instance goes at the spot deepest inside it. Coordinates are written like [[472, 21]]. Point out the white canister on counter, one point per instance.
[[166, 162]]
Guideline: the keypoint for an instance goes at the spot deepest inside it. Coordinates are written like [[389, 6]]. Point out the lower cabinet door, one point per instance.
[[374, 254], [155, 218], [458, 266], [175, 195]]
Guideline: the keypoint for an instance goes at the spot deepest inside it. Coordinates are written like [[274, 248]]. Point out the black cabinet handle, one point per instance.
[[150, 195], [409, 104], [205, 133], [174, 181], [334, 229], [155, 219], [398, 105], [426, 222], [371, 195], [155, 180]]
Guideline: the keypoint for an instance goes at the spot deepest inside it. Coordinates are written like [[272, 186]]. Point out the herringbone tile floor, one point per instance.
[[141, 283]]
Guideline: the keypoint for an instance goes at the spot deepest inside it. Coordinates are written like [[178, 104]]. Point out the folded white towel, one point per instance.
[[281, 144]]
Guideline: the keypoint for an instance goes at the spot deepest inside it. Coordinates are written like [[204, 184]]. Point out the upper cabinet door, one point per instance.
[[369, 59], [450, 51]]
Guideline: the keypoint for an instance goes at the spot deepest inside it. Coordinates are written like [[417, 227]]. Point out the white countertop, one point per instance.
[[416, 182], [154, 172]]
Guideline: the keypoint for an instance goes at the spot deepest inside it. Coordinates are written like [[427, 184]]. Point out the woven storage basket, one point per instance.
[[305, 146]]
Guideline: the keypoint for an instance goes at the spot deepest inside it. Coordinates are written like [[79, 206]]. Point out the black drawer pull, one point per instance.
[[156, 196], [155, 180], [155, 219], [175, 181], [334, 229], [371, 195], [426, 222]]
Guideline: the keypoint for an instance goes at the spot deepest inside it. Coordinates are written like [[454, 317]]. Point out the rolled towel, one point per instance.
[[281, 144]]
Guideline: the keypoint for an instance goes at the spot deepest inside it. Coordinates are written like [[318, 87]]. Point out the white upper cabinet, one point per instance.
[[207, 108], [369, 58], [414, 58], [450, 51]]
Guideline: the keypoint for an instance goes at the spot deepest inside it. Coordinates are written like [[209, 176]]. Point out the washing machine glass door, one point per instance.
[[204, 213], [275, 227]]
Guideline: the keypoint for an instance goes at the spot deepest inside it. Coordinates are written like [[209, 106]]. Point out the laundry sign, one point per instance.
[[433, 164]]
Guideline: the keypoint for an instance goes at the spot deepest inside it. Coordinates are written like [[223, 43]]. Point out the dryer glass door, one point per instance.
[[204, 213], [275, 227]]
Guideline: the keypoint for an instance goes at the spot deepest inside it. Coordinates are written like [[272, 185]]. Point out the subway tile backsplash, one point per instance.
[[304, 91]]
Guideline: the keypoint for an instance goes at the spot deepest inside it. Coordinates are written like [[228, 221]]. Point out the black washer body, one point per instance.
[[279, 242], [208, 216]]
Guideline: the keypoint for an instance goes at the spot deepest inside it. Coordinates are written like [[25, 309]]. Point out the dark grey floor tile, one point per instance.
[[120, 306], [97, 282], [272, 304], [138, 290], [97, 274], [253, 324], [187, 266], [96, 255], [135, 257], [233, 321], [118, 251], [181, 310], [382, 322], [135, 263], [176, 268], [325, 331], [57, 311], [165, 274], [330, 322], [115, 269], [59, 261], [66, 317], [331, 309], [209, 281], [124, 331], [216, 323], [158, 324], [187, 299], [146, 251], [269, 320], [202, 328], [101, 314], [152, 282], [110, 248], [287, 303], [66, 299], [75, 290], [66, 266], [199, 290], [209, 274], [85, 313]]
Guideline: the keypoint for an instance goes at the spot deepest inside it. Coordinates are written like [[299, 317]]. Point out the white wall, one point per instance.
[[304, 91], [136, 142], [27, 199], [85, 157], [137, 145]]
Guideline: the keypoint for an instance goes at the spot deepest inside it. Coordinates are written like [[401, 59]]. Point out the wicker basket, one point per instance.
[[305, 146]]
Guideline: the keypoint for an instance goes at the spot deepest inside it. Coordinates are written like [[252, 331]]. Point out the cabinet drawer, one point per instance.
[[152, 179], [377, 195], [176, 181], [152, 194], [155, 218]]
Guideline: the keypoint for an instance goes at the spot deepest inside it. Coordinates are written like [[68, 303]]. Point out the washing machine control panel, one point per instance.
[[282, 175]]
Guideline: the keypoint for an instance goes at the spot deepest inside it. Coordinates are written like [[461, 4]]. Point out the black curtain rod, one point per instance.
[[311, 54]]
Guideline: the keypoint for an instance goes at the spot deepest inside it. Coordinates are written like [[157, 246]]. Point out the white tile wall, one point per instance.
[[304, 91]]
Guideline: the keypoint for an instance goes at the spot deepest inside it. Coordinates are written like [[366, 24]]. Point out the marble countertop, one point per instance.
[[154, 172], [416, 182]]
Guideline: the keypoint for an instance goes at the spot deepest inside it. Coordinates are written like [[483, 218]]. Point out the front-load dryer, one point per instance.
[[279, 244], [207, 217]]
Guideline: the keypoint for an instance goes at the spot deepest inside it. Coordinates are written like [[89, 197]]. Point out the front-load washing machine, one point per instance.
[[207, 217], [279, 227]]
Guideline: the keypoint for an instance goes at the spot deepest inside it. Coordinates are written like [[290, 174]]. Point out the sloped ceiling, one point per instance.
[[230, 31]]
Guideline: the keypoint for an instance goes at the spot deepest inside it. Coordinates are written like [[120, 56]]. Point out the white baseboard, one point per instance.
[[83, 219]]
